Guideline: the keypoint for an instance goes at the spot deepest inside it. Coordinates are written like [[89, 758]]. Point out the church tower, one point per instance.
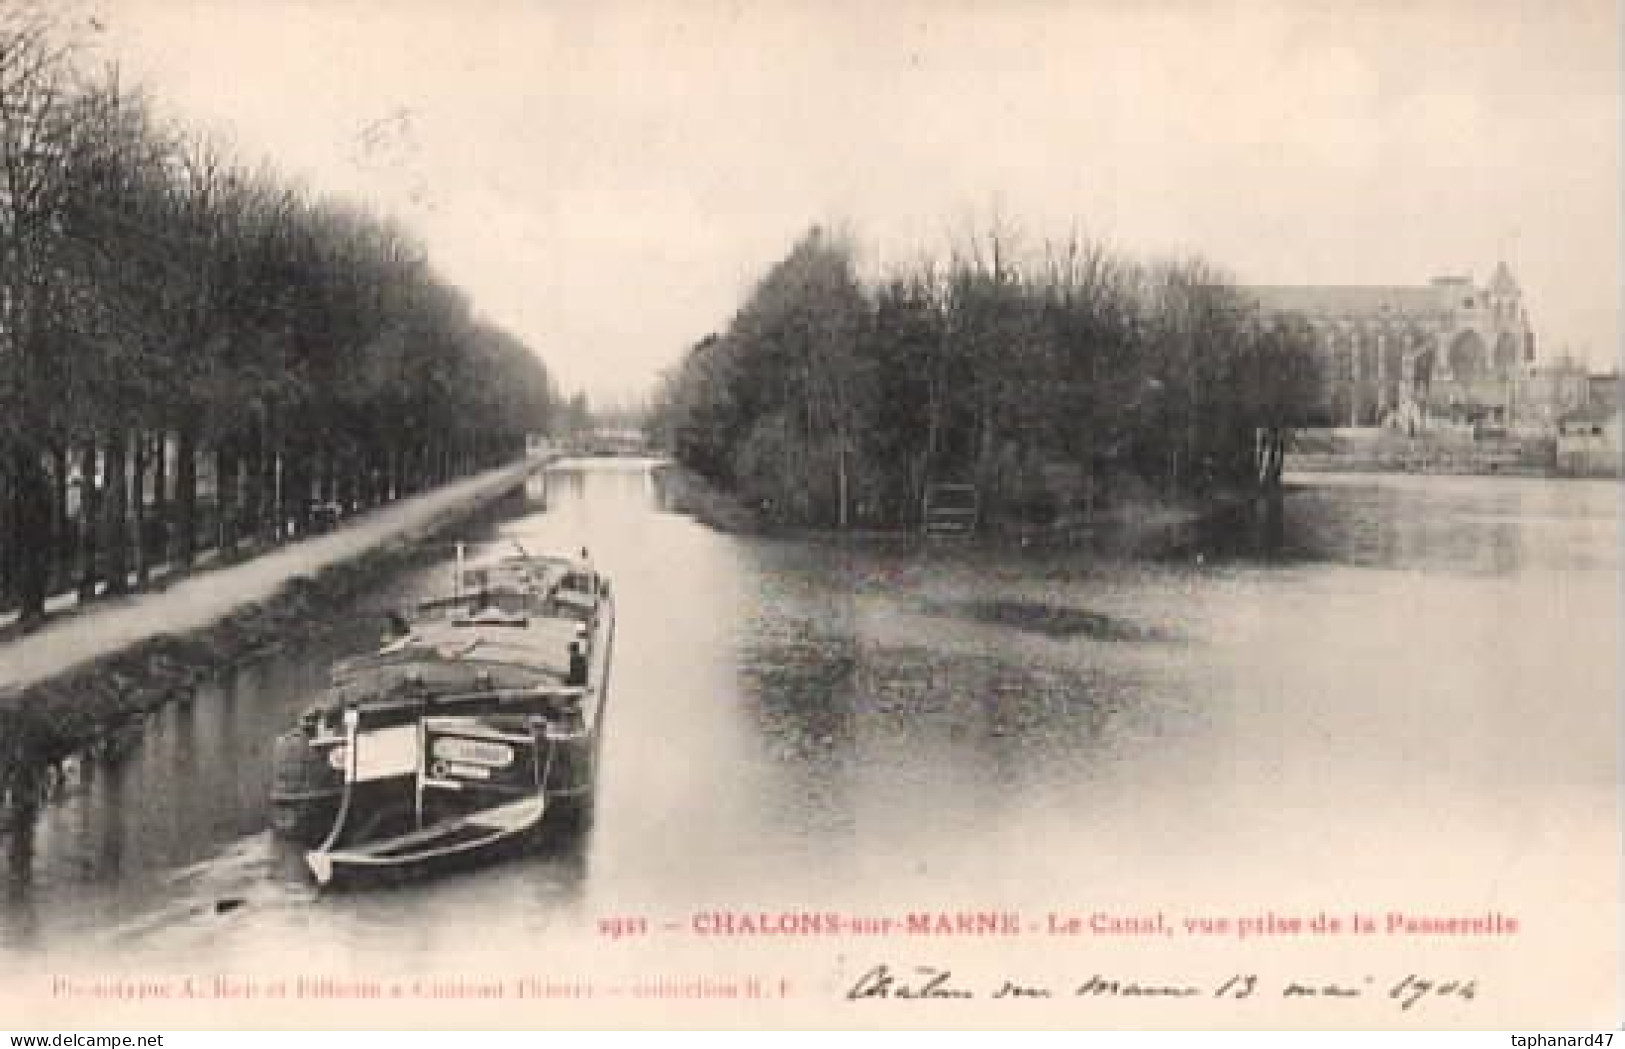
[[1509, 325]]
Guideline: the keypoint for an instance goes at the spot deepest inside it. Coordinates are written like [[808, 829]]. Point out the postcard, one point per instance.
[[935, 515]]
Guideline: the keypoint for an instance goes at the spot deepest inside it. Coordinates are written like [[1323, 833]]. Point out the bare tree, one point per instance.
[[34, 85]]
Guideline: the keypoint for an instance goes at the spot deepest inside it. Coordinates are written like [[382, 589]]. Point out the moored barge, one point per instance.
[[476, 724]]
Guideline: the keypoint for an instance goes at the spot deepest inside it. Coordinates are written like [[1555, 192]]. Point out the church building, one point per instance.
[[1401, 355]]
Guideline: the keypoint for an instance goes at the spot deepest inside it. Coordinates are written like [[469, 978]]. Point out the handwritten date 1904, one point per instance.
[[929, 982]]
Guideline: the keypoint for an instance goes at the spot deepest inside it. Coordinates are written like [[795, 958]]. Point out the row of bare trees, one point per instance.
[[1056, 381], [193, 352]]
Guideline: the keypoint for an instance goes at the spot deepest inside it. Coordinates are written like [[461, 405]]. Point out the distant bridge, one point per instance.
[[606, 440]]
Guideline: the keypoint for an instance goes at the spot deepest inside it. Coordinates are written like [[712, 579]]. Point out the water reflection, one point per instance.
[[796, 721], [1456, 524], [20, 926]]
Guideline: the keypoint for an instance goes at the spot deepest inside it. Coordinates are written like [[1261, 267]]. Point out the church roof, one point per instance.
[[1320, 300]]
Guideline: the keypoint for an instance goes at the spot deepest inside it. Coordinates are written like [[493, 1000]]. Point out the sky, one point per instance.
[[608, 179]]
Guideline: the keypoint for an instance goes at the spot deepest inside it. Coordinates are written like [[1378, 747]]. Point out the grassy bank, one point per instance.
[[1138, 528], [97, 708]]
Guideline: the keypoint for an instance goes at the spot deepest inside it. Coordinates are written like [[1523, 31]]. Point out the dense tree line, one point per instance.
[[1058, 383], [193, 351]]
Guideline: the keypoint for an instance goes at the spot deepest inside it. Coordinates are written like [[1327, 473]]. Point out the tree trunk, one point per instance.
[[986, 462], [360, 476], [842, 492], [276, 466], [340, 473], [933, 434], [327, 482], [1193, 424], [160, 498], [118, 513], [186, 496], [10, 561], [138, 506], [254, 484], [295, 487], [1087, 465], [226, 496], [89, 521], [365, 467], [31, 532], [268, 487], [270, 481], [59, 560]]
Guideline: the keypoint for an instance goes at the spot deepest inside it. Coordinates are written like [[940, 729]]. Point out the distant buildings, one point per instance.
[[1580, 408], [1589, 441], [1604, 389], [1547, 392], [1402, 355], [1454, 360]]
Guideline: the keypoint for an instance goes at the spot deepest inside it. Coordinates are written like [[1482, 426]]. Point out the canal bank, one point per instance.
[[86, 682], [1443, 450], [1129, 529], [682, 491]]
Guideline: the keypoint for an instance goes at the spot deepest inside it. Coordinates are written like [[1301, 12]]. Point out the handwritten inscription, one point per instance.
[[924, 981], [930, 982]]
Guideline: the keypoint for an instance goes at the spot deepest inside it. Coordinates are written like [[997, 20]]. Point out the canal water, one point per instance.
[[1407, 705]]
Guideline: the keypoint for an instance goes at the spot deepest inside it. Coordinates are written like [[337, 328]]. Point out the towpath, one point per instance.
[[199, 600]]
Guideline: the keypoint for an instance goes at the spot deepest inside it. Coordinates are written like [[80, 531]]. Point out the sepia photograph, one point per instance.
[[697, 515]]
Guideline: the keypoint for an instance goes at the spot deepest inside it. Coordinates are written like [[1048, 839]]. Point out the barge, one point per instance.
[[475, 726]]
